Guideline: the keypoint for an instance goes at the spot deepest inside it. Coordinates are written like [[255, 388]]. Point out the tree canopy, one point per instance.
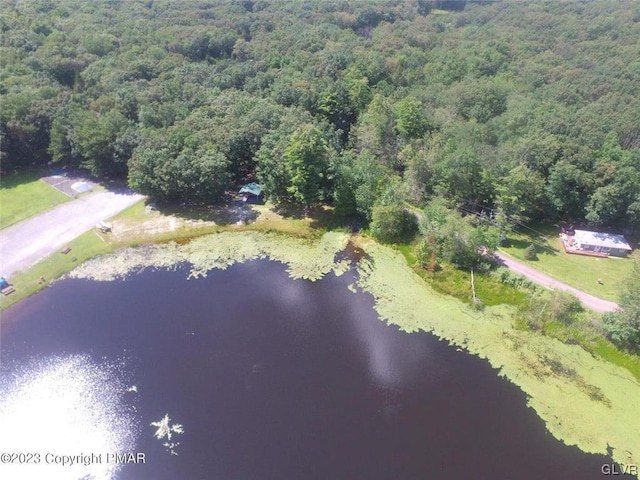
[[623, 326], [527, 108]]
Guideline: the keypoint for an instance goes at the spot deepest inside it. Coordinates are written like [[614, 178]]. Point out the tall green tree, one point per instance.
[[521, 194], [623, 326], [411, 121], [306, 157], [568, 189], [94, 138], [271, 171], [371, 178], [461, 176], [462, 241], [179, 165], [376, 132]]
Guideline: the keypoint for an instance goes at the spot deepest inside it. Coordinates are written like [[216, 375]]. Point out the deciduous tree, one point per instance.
[[393, 223], [623, 326], [306, 157]]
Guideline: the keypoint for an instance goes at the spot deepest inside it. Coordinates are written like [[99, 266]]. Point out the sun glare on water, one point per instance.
[[60, 418]]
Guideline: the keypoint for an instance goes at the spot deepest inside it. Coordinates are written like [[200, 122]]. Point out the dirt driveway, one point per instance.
[[589, 301], [27, 242]]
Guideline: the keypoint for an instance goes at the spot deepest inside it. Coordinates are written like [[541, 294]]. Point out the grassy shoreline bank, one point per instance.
[[139, 225], [491, 292]]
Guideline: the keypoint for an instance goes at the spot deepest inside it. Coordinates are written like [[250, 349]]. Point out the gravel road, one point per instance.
[[589, 301], [27, 242]]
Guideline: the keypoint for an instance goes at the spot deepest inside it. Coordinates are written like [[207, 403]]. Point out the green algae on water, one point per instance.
[[307, 259], [583, 400]]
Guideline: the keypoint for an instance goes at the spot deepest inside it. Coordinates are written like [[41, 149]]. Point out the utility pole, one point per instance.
[[473, 288]]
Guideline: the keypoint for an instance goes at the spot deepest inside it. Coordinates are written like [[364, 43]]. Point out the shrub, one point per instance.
[[554, 306], [563, 307], [393, 224], [623, 325], [530, 253], [624, 334], [511, 279], [426, 253]]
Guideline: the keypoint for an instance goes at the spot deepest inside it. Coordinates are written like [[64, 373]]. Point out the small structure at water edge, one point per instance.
[[584, 242], [252, 193]]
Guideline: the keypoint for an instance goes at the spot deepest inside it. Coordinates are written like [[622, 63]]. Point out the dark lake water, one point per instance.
[[278, 379]]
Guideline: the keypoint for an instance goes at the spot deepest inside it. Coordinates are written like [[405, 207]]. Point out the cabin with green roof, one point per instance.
[[252, 193]]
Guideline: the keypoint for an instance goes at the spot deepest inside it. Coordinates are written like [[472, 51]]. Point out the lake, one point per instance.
[[270, 378]]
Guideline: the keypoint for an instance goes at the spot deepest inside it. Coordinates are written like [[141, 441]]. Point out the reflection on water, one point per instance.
[[62, 417], [274, 379]]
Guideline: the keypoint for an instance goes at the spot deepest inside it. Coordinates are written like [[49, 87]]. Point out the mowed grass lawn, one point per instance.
[[23, 195], [576, 270]]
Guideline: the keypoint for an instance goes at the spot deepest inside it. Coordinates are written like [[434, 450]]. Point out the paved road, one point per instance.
[[589, 301], [27, 242]]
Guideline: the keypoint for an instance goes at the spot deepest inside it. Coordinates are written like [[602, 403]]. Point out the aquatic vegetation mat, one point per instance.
[[583, 400], [308, 259]]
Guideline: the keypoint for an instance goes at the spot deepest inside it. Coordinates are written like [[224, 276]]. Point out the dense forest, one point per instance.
[[525, 110]]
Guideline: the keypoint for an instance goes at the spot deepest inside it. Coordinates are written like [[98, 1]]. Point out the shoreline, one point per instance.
[[551, 373], [139, 226]]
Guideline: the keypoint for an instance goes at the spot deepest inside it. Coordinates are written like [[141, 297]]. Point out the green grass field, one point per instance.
[[457, 283], [23, 195], [578, 271]]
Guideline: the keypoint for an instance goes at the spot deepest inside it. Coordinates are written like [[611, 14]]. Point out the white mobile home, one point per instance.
[[612, 244]]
